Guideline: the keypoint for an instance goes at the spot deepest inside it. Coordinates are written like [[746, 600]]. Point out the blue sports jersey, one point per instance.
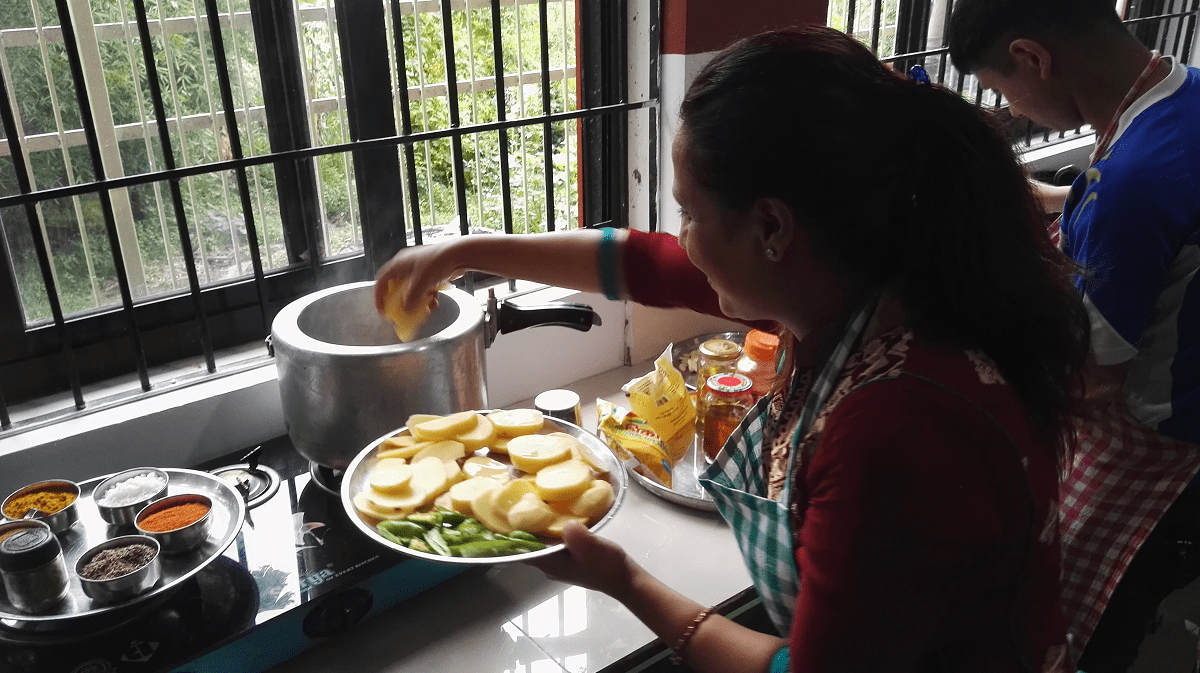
[[1133, 222]]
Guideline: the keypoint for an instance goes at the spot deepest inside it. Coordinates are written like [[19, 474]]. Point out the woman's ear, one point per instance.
[[776, 226]]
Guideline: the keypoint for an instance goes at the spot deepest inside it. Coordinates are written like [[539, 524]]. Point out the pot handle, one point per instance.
[[506, 317]]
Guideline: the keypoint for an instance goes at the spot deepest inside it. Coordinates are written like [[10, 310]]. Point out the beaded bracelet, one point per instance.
[[677, 650]]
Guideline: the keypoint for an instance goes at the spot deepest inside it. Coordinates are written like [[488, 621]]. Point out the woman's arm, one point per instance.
[[564, 258], [1052, 197], [718, 645]]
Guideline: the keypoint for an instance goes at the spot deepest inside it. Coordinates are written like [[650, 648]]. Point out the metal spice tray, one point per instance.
[[228, 512]]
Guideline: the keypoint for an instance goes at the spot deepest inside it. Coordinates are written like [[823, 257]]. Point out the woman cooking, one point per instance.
[[894, 497]]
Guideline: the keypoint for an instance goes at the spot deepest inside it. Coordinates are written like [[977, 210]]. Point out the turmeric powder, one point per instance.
[[47, 502]]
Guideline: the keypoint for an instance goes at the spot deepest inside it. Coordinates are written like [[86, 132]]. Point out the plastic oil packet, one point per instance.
[[661, 397], [633, 440]]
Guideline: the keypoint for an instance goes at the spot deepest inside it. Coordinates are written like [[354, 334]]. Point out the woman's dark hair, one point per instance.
[[980, 30], [901, 184]]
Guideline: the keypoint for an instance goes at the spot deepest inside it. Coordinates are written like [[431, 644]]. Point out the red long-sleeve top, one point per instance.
[[927, 536]]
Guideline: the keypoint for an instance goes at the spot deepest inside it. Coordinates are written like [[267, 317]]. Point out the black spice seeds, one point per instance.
[[117, 561]]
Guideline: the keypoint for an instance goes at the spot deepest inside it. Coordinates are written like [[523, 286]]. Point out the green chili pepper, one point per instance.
[[433, 537], [522, 535], [404, 529], [426, 519], [389, 536], [450, 518], [471, 526], [481, 548]]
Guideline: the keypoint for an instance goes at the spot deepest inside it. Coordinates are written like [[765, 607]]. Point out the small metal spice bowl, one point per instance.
[[124, 586], [58, 521], [182, 539], [123, 515]]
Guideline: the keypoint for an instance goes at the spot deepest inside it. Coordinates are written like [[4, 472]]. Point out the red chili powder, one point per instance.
[[174, 518]]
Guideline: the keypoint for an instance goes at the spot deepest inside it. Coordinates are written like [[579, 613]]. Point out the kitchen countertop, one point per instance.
[[510, 617]]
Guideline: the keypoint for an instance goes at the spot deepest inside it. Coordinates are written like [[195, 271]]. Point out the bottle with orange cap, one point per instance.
[[758, 361]]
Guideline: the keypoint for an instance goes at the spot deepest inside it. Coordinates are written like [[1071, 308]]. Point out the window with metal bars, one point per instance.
[[909, 32], [173, 172]]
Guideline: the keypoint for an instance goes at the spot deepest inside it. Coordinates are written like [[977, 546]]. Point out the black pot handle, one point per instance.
[[576, 316], [504, 317]]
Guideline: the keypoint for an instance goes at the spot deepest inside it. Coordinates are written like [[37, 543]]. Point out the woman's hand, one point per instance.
[[589, 561], [424, 267]]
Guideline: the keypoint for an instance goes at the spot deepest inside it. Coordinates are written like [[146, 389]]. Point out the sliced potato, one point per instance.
[[444, 450], [444, 501], [531, 515], [397, 441], [555, 529], [480, 436], [429, 477], [516, 422], [532, 453], [481, 507], [482, 466], [405, 504], [445, 427], [499, 444], [563, 481], [390, 475], [508, 494], [594, 502], [464, 493], [406, 452], [454, 473], [417, 419], [407, 323], [363, 504], [581, 451]]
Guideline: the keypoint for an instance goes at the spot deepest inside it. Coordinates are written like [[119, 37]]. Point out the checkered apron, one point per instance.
[[736, 480], [1122, 478]]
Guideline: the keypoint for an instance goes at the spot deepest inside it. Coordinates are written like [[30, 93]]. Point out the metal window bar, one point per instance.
[[309, 152], [460, 186], [547, 135], [164, 139], [1174, 24], [501, 113], [239, 162], [355, 218], [106, 206], [41, 248], [235, 148], [410, 162]]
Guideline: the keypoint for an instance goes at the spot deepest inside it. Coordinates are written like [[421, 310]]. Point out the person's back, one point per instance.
[[1133, 221], [1132, 224]]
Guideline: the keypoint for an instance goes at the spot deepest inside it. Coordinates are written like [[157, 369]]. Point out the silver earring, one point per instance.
[[771, 254]]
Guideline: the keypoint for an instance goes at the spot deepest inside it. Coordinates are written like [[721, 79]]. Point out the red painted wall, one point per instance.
[[697, 26]]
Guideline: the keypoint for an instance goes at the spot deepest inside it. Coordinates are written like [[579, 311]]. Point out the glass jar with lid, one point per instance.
[[716, 356], [727, 397]]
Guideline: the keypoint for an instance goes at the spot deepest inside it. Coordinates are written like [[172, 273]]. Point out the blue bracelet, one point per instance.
[[606, 263], [781, 662]]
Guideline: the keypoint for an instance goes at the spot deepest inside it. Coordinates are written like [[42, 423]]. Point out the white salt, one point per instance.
[[133, 489]]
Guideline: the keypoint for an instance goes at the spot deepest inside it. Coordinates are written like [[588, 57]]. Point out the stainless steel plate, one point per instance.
[[685, 485], [355, 480], [229, 510], [686, 351]]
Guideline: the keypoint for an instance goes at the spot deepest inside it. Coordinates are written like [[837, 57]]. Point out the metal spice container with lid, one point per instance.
[[32, 567]]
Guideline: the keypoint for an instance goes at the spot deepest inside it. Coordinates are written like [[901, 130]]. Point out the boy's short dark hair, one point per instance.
[[980, 30]]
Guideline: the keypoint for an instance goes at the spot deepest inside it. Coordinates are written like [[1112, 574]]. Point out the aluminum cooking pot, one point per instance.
[[345, 379]]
